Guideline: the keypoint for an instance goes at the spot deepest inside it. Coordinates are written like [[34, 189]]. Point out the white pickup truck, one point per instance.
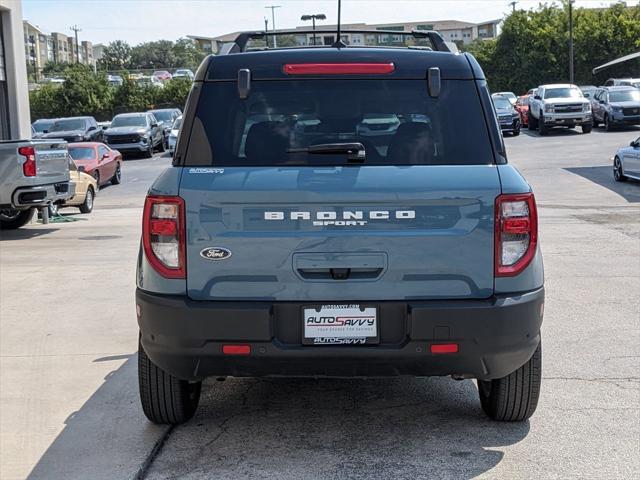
[[33, 173], [559, 105]]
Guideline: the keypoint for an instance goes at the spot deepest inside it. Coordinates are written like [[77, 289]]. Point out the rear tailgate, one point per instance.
[[52, 162], [341, 233]]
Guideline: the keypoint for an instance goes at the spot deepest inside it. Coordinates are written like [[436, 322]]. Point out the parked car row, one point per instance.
[[140, 132], [567, 105]]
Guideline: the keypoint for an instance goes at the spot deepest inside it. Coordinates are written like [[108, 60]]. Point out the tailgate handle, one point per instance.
[[340, 273]]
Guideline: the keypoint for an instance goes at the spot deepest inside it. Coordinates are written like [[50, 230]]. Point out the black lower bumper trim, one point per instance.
[[495, 337]]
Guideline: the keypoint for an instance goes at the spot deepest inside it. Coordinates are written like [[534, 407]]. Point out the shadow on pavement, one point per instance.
[[603, 175], [337, 428], [107, 438], [553, 132], [25, 233]]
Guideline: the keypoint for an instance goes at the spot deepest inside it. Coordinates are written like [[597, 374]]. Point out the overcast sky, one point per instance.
[[135, 21]]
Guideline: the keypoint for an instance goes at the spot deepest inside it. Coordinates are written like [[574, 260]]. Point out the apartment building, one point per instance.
[[41, 47], [451, 30]]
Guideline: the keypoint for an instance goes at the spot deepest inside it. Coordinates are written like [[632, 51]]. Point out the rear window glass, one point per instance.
[[396, 121]]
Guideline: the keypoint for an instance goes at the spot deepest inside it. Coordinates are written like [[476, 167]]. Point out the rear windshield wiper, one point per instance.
[[355, 151]]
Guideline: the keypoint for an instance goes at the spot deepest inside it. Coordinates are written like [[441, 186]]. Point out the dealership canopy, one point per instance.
[[626, 58]]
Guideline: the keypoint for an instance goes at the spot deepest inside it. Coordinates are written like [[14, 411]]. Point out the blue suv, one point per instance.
[[294, 237]]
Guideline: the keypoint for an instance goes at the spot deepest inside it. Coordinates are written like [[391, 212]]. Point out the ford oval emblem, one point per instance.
[[215, 253]]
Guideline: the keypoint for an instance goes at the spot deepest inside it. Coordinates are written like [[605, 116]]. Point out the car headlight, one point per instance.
[[548, 108], [616, 108], [586, 107]]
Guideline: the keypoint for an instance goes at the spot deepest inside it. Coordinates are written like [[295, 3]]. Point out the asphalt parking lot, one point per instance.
[[68, 386]]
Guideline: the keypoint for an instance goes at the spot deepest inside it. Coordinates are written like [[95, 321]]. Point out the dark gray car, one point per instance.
[[616, 106], [508, 116], [135, 132], [74, 129], [166, 117]]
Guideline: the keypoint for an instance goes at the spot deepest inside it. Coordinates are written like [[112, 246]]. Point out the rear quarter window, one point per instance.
[[396, 121]]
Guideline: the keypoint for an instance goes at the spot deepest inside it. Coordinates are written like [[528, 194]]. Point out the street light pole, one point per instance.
[[273, 23], [571, 41], [319, 16]]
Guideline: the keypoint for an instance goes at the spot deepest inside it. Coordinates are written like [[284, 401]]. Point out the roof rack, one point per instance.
[[239, 45]]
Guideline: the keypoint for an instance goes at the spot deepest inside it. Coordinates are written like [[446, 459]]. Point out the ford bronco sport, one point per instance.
[[288, 239]]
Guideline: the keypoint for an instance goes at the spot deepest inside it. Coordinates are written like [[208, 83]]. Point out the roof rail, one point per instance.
[[239, 45]]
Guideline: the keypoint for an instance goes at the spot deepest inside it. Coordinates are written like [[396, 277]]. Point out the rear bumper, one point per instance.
[[40, 195], [495, 337]]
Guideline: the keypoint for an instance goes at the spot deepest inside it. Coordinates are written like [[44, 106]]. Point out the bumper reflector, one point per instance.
[[444, 348], [236, 349]]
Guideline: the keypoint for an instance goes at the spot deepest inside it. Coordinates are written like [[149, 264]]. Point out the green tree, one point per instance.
[[52, 69], [154, 55], [187, 54], [84, 93], [174, 93], [533, 46], [132, 97], [115, 56], [45, 102]]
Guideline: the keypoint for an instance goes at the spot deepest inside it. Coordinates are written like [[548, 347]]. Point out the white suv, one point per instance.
[[559, 105]]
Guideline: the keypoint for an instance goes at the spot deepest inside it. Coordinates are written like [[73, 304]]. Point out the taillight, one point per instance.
[[29, 165], [163, 235], [516, 233], [338, 68]]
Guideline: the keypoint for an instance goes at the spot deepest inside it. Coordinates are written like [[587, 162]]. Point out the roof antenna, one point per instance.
[[339, 43]]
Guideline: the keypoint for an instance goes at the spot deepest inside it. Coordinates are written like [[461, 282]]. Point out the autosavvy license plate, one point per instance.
[[340, 325]]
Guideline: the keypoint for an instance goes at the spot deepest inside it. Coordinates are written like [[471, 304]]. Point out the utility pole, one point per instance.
[[513, 6], [571, 41], [318, 16], [273, 22], [77, 29]]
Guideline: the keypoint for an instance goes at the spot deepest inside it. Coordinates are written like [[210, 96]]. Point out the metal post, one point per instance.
[[314, 29], [273, 23], [571, 41]]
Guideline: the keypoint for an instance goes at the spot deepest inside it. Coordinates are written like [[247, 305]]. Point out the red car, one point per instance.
[[522, 106], [98, 160], [162, 75]]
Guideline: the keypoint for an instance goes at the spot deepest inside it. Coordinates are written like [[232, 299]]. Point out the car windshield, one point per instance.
[[42, 125], [562, 92], [282, 119], [508, 95], [176, 124], [163, 115], [624, 96], [182, 72], [67, 124], [82, 153], [129, 121], [501, 102]]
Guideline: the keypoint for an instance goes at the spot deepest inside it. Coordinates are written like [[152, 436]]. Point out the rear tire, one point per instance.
[[11, 219], [533, 122], [165, 399], [513, 398]]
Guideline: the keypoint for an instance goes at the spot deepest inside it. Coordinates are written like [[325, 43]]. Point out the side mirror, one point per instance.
[[105, 127], [633, 144], [154, 125], [45, 131], [105, 156], [537, 97], [81, 168], [91, 128]]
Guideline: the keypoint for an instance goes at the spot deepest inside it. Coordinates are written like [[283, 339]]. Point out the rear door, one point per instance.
[[414, 220]]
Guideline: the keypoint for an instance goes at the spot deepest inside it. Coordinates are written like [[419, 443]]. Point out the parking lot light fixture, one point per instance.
[[313, 18]]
